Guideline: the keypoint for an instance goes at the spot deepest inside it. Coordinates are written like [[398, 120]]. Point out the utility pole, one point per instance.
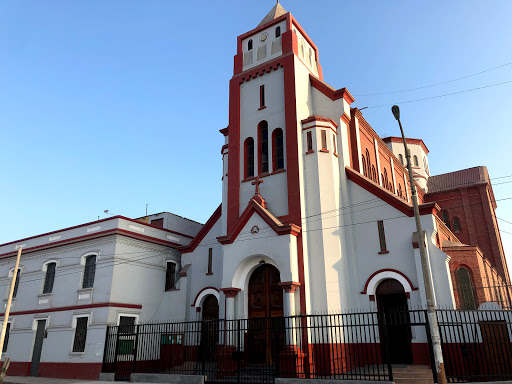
[[8, 307], [431, 310]]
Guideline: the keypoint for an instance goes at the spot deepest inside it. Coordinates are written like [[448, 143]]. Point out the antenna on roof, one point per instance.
[[146, 209]]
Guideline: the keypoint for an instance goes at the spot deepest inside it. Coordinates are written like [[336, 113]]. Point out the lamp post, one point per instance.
[[431, 311]]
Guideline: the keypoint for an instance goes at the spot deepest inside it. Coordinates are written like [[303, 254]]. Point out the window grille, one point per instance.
[[89, 272], [80, 334], [170, 276], [50, 277]]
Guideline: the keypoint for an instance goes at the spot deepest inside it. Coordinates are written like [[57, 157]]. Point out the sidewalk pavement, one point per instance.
[[48, 380]]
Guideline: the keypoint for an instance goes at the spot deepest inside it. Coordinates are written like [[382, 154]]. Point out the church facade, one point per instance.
[[316, 216]]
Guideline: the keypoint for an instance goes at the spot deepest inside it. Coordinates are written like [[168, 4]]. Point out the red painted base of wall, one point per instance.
[[85, 371]]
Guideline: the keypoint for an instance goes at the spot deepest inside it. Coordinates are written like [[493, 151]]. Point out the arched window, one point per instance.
[[249, 157], [263, 148], [399, 190], [278, 32], [415, 159], [50, 277], [249, 45], [368, 164], [363, 161], [425, 165], [456, 224], [446, 218], [278, 149], [385, 181], [374, 174], [466, 292], [401, 158], [89, 272]]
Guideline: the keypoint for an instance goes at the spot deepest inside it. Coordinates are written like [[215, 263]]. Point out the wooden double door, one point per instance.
[[265, 331]]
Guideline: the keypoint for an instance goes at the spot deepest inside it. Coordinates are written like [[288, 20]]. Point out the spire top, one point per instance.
[[274, 13]]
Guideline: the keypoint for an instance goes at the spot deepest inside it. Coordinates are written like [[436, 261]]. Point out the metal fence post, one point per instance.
[[386, 344], [134, 367], [116, 350]]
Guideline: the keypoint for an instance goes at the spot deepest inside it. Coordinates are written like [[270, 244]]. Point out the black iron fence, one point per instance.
[[476, 345], [359, 346]]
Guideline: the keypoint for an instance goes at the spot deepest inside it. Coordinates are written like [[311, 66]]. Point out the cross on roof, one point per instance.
[[257, 183]]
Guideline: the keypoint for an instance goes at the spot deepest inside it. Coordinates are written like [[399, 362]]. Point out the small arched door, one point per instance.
[[210, 327], [394, 322], [265, 314]]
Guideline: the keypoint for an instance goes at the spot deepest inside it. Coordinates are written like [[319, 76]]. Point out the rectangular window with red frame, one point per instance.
[[262, 96], [324, 140], [309, 139]]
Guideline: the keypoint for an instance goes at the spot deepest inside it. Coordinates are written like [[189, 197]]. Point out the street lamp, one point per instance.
[[431, 311]]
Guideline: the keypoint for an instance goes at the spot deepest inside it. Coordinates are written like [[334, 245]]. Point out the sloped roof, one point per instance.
[[274, 13], [453, 180]]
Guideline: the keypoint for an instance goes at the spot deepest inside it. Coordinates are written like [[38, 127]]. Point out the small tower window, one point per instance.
[[401, 158], [309, 141], [382, 237], [210, 261], [170, 276], [263, 136], [334, 144], [465, 290], [415, 159], [262, 96], [50, 278], [324, 140], [249, 157], [16, 284], [425, 166], [249, 45], [89, 272], [456, 224], [278, 148], [278, 32]]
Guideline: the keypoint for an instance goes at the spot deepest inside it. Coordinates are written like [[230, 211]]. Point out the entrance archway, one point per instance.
[[265, 314], [209, 327], [394, 322]]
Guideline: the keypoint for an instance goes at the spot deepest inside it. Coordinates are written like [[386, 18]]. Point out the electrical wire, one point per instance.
[[436, 84]]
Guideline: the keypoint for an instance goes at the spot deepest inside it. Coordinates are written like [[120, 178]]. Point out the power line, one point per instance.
[[439, 96], [436, 84]]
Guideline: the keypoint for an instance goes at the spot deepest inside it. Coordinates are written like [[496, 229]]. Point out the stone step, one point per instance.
[[414, 374]]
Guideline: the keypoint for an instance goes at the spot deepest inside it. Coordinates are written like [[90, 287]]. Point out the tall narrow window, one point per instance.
[[6, 338], [170, 276], [210, 261], [249, 45], [278, 32], [363, 161], [89, 272], [278, 148], [425, 165], [50, 277], [382, 237], [401, 158], [465, 289], [16, 284], [324, 140], [385, 180], [456, 224], [263, 130], [374, 174], [334, 144], [446, 218], [368, 164], [309, 139], [80, 334], [249, 157], [415, 159], [399, 190], [262, 96]]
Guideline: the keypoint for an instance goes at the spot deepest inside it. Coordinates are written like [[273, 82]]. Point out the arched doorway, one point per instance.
[[394, 322], [209, 327], [265, 314]]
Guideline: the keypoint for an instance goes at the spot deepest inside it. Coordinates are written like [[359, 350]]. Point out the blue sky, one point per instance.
[[117, 104]]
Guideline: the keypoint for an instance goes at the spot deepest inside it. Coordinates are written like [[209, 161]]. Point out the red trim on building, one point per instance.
[[96, 235], [84, 371], [395, 139], [329, 91], [289, 286], [75, 307], [224, 131], [204, 230], [389, 197], [312, 118], [230, 292], [274, 223], [224, 147], [364, 291], [198, 293]]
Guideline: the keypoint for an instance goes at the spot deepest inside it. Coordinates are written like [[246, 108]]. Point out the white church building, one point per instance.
[[316, 215]]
